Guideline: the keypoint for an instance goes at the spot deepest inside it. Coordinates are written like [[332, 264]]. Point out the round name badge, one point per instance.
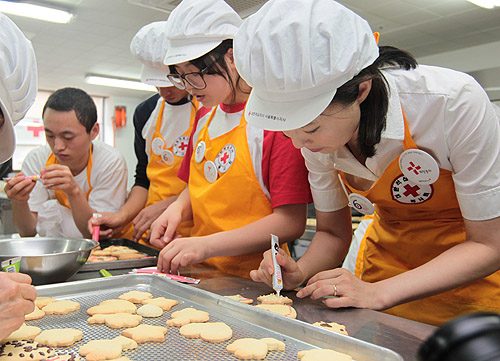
[[157, 146], [361, 204], [419, 166], [167, 157], [210, 171], [199, 152], [180, 146], [225, 158]]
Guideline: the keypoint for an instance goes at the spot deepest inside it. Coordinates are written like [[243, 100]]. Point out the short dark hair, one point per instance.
[[374, 107], [68, 99]]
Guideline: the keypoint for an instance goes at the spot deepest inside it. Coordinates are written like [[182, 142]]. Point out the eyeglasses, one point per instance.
[[195, 79]]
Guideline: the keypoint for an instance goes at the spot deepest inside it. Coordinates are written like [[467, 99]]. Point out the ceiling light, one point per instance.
[[118, 82], [487, 4], [35, 12]]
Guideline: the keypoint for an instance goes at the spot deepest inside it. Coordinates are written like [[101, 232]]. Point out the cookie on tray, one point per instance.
[[146, 333], [284, 310], [97, 350], [165, 303], [207, 331], [252, 348], [35, 315], [25, 350], [116, 320], [323, 354], [127, 343], [59, 337], [25, 332], [274, 299], [136, 296], [61, 307], [332, 326], [113, 306], [43, 301], [187, 315], [96, 258], [240, 298], [128, 256], [150, 311]]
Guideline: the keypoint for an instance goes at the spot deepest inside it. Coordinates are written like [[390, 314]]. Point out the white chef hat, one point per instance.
[[149, 46], [18, 82], [195, 27], [295, 54]]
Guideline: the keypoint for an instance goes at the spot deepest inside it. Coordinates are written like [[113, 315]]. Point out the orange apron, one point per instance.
[[163, 179], [60, 195], [412, 225], [234, 200]]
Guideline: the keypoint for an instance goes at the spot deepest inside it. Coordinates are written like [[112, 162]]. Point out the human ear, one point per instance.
[[364, 90], [94, 132]]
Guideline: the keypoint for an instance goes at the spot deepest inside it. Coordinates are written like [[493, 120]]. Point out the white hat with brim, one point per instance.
[[149, 46], [18, 82], [295, 54], [196, 27], [155, 76], [7, 135]]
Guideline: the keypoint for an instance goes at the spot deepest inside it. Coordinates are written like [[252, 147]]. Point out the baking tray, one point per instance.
[[129, 263], [245, 320]]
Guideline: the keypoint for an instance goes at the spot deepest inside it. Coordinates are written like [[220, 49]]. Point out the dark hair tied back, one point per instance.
[[374, 107]]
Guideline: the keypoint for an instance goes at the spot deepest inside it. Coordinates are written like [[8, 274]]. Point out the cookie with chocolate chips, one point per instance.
[[25, 350]]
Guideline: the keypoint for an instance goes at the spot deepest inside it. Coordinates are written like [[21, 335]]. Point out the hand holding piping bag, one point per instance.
[[96, 229], [277, 278]]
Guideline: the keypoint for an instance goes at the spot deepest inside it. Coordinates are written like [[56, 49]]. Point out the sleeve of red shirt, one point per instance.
[[287, 175], [183, 172]]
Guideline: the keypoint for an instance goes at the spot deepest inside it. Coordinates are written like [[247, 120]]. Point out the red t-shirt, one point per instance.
[[283, 168]]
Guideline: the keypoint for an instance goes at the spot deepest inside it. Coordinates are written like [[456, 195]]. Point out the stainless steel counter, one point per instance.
[[398, 334]]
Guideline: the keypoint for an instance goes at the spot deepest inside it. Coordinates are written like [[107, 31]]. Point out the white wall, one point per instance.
[[123, 137]]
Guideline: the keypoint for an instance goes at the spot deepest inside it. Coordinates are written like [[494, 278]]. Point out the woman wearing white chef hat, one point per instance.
[[243, 183], [18, 88], [419, 146], [162, 125]]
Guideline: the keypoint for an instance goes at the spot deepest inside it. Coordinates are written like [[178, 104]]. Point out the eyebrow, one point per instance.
[[65, 132]]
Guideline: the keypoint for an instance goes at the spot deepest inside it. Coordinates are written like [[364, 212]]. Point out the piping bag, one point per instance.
[[277, 278], [96, 229]]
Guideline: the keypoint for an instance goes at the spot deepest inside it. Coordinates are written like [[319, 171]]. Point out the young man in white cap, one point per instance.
[[162, 125], [79, 175], [417, 145], [243, 183], [18, 87]]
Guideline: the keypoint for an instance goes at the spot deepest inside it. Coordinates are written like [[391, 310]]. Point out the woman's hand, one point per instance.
[[182, 251], [290, 271], [347, 289], [163, 230]]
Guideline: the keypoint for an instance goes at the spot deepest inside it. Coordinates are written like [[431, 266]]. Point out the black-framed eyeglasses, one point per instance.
[[195, 79]]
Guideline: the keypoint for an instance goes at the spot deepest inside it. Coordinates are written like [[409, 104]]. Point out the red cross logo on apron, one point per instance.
[[405, 191]]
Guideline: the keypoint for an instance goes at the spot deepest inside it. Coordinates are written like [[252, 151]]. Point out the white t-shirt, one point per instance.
[[109, 189], [176, 121], [450, 117]]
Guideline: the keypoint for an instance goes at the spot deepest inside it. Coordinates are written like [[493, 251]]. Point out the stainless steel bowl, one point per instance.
[[47, 259]]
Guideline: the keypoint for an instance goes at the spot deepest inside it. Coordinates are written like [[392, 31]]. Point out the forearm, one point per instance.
[[81, 211], [330, 243], [183, 202], [286, 222], [23, 219], [136, 201]]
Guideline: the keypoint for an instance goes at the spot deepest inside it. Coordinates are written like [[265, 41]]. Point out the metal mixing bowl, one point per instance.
[[47, 259]]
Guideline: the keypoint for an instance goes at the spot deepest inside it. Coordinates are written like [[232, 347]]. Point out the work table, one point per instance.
[[398, 334]]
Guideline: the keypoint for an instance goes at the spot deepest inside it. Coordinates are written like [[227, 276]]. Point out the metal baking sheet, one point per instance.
[[245, 320], [129, 263]]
